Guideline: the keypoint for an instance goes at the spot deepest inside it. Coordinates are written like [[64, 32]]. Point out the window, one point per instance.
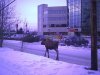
[[63, 25], [63, 33], [44, 26], [52, 25]]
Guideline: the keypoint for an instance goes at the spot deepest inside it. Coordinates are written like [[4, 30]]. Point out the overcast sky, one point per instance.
[[26, 10]]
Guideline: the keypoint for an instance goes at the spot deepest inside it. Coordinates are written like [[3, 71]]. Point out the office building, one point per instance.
[[74, 9], [79, 15], [52, 20]]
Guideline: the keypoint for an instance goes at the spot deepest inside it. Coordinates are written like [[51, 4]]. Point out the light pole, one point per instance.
[[26, 28], [16, 28]]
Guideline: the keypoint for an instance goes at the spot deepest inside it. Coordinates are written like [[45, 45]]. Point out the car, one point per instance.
[[76, 41]]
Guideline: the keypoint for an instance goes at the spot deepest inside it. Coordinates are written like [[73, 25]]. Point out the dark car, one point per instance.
[[76, 41]]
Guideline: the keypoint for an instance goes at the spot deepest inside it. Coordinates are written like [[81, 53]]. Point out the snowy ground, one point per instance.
[[20, 63], [71, 54], [83, 51]]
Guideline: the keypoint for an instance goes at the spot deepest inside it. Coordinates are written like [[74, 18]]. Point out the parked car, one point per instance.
[[76, 41]]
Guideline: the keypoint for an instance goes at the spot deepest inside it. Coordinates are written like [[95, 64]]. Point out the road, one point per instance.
[[67, 56]]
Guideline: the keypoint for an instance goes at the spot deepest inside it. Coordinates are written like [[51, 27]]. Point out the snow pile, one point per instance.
[[20, 63]]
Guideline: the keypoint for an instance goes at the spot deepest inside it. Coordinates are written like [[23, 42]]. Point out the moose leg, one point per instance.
[[57, 57], [48, 53], [45, 53], [22, 45]]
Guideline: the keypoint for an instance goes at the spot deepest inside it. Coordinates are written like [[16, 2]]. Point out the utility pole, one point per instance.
[[94, 60]]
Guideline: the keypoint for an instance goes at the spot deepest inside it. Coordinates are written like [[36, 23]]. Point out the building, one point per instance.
[[86, 8], [52, 20], [85, 17], [74, 9], [79, 15], [98, 17]]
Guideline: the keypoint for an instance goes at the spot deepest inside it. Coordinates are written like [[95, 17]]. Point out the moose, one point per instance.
[[50, 45]]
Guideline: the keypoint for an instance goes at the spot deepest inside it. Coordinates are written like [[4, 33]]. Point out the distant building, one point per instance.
[[98, 17], [74, 9], [85, 17], [86, 8], [52, 20], [79, 15]]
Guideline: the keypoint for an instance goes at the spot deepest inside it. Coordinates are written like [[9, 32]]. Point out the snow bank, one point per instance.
[[20, 63]]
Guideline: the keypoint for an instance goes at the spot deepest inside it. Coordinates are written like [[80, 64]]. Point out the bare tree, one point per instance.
[[9, 20], [4, 12], [1, 22]]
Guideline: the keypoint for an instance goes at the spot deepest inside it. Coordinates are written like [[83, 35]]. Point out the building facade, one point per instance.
[[79, 15], [86, 8], [52, 20], [98, 17], [74, 9], [85, 17]]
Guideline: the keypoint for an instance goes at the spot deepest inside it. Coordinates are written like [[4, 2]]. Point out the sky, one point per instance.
[[14, 62], [26, 10]]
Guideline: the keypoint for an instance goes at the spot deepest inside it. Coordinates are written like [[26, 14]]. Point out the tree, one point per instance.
[[1, 22], [20, 31], [3, 17]]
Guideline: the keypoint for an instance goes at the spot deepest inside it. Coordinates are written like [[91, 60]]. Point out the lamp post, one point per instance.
[[26, 28], [16, 28]]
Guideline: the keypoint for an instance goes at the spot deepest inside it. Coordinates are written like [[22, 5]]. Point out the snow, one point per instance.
[[20, 63], [85, 51]]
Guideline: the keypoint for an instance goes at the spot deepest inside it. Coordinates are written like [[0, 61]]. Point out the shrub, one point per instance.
[[30, 38]]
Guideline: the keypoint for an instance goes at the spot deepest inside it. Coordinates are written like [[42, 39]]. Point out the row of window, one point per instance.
[[54, 33], [56, 25], [57, 18], [57, 11]]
